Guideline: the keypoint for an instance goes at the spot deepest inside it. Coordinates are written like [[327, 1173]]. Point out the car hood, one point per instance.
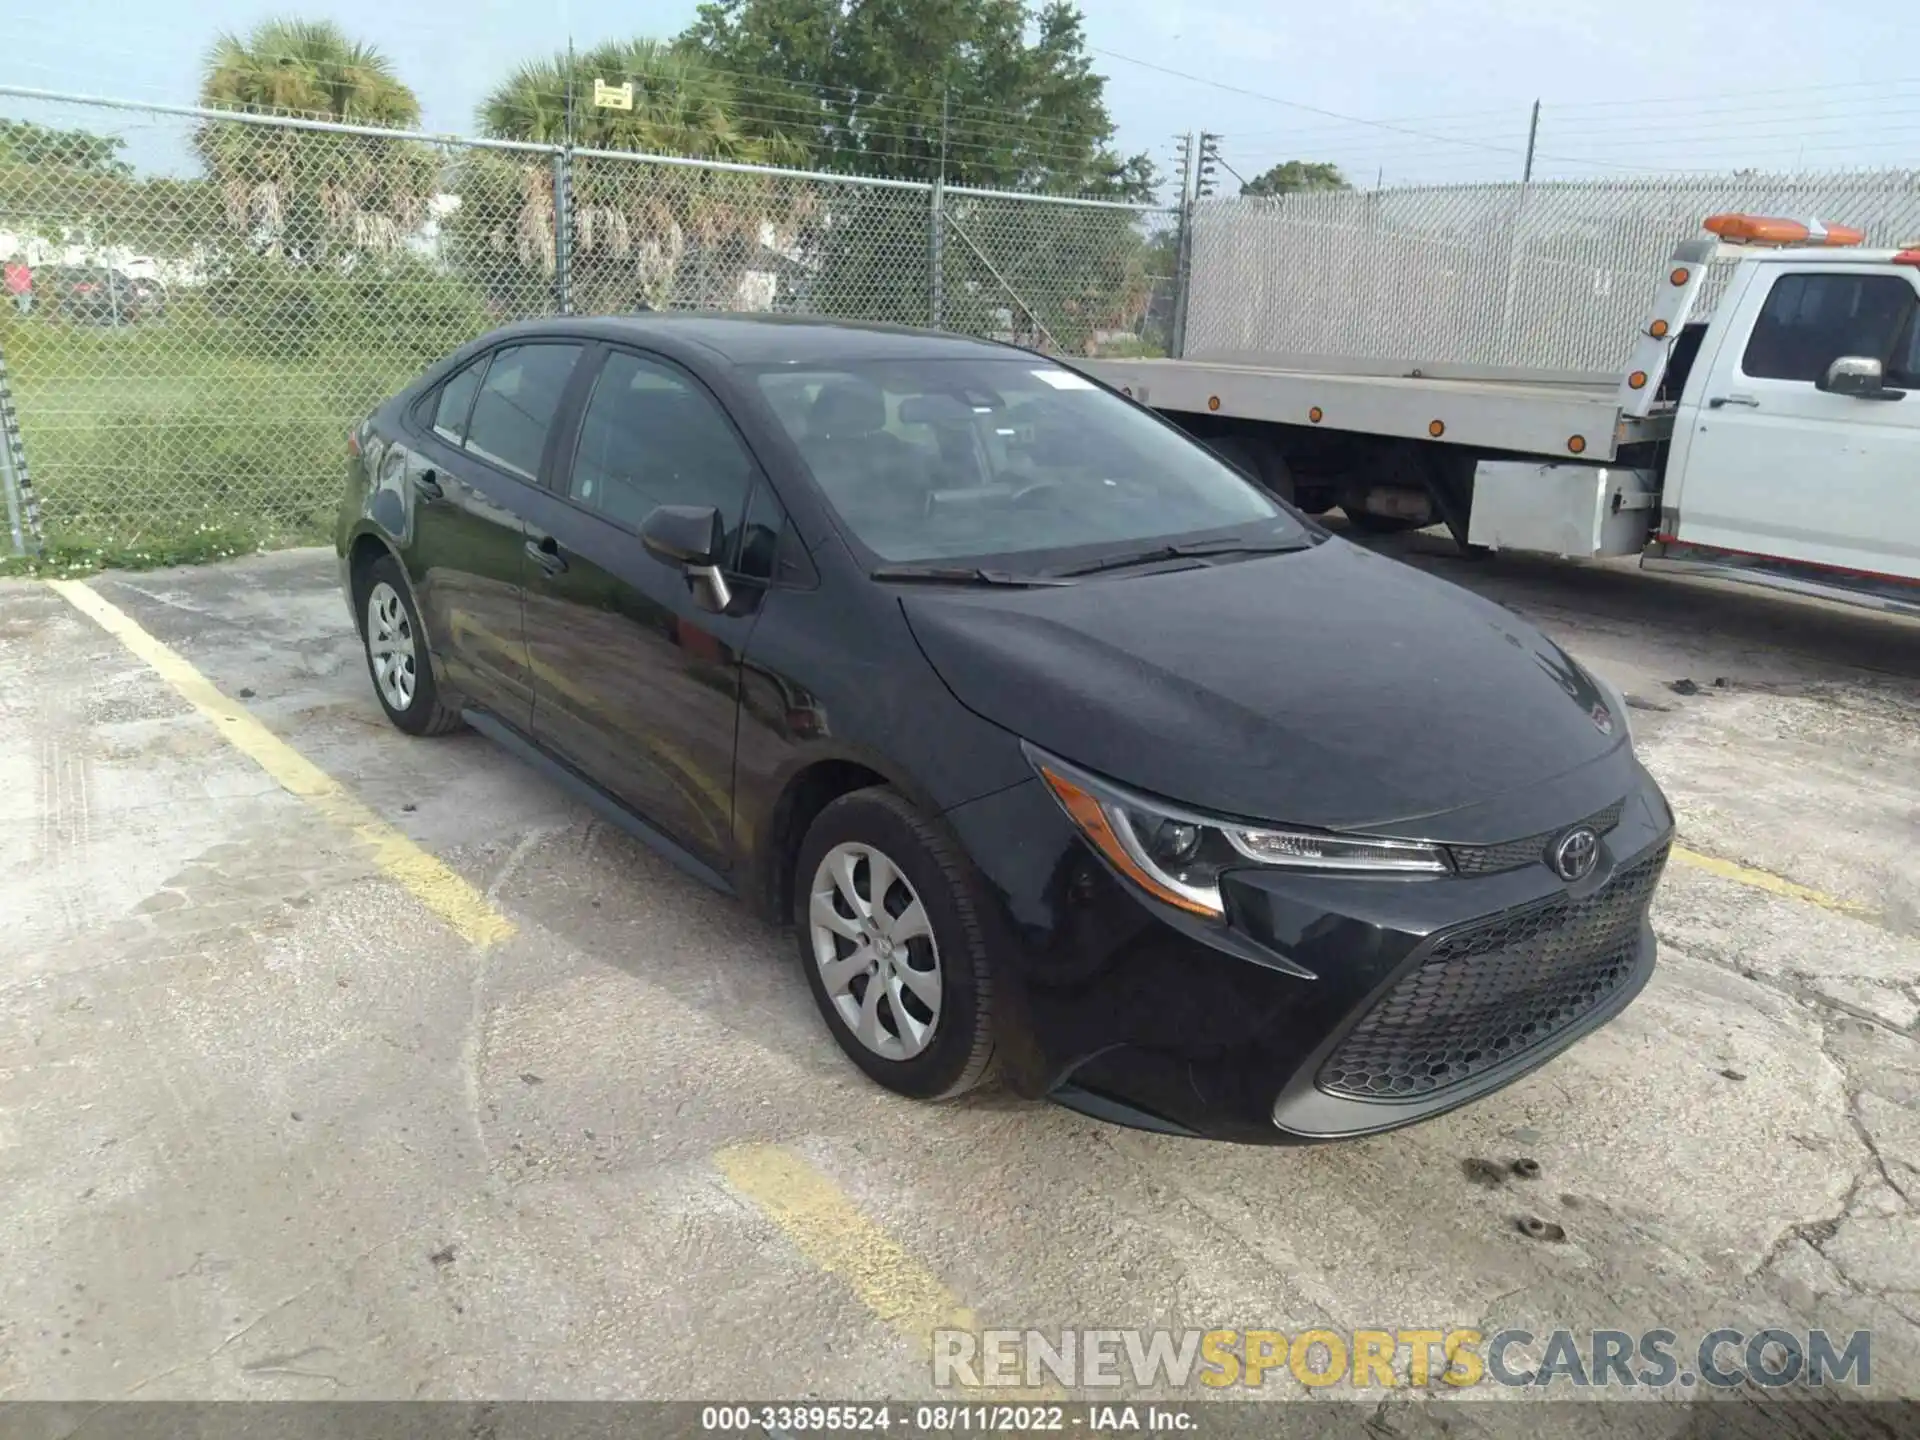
[[1329, 687]]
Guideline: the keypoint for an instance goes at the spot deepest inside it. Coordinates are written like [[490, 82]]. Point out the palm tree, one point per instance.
[[300, 192], [635, 226]]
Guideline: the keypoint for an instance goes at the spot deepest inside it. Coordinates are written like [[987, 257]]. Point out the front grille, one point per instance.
[[1494, 990], [1512, 854]]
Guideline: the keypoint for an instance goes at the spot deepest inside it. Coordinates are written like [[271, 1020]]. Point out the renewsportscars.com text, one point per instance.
[[1374, 1359]]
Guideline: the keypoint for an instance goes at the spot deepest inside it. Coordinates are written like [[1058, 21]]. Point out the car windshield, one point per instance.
[[936, 459]]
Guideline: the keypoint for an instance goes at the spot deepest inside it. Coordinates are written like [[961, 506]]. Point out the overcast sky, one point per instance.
[[1626, 85]]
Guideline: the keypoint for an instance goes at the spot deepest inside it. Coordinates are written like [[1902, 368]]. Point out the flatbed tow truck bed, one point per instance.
[[1552, 414]]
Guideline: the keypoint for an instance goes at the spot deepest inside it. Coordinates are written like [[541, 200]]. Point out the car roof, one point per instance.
[[770, 339]]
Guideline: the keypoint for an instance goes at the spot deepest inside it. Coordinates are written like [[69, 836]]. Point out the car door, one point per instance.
[[483, 438], [1769, 463], [635, 683]]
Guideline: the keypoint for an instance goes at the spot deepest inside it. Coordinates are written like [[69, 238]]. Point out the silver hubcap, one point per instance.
[[390, 645], [876, 952]]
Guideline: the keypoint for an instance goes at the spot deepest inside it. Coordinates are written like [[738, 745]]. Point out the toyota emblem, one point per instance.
[[1575, 853]]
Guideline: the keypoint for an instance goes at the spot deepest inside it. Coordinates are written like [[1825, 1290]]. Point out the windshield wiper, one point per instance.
[[1191, 550], [961, 575]]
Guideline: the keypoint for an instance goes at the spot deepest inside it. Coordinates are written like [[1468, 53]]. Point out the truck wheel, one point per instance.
[[1364, 519], [1261, 464]]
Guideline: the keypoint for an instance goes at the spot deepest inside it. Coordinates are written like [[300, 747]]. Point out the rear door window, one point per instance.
[[516, 404]]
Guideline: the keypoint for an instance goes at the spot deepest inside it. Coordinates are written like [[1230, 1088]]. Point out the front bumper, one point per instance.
[[1327, 1007]]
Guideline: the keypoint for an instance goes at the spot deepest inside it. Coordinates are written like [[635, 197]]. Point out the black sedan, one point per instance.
[[1067, 751]]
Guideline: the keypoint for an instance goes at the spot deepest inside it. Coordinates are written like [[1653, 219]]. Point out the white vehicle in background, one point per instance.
[[1776, 444]]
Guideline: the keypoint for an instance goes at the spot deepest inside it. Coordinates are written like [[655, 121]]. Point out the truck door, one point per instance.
[[1767, 463]]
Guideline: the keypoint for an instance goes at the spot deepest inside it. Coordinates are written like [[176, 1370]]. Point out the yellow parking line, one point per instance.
[[829, 1230], [432, 883], [1768, 881]]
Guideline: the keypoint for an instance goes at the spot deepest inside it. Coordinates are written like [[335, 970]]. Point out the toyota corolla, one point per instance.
[[1066, 750]]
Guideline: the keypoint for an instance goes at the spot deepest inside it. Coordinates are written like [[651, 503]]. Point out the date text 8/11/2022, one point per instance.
[[777, 1421]]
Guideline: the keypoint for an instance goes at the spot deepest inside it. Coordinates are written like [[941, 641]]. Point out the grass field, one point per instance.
[[198, 434]]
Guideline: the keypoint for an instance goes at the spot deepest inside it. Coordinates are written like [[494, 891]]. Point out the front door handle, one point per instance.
[[1719, 400], [428, 484], [545, 553]]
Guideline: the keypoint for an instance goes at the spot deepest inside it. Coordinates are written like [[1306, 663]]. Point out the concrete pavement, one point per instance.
[[271, 1127]]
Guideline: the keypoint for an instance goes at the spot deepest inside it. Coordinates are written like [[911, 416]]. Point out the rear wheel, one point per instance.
[[1260, 463], [1363, 519], [887, 918], [396, 645]]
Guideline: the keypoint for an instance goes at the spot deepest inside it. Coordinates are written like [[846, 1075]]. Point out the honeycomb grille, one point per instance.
[[1495, 990], [1512, 854]]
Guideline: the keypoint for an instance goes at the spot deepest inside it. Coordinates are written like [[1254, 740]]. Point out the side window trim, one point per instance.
[[586, 380]]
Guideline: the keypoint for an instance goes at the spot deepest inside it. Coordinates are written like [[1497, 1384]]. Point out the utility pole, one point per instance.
[[937, 228], [1508, 341], [1209, 161], [563, 204], [1189, 167]]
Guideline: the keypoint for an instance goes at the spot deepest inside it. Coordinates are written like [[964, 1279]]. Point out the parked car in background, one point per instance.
[[98, 295], [970, 670]]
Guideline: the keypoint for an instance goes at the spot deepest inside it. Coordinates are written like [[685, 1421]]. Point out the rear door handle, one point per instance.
[[1719, 400], [428, 484], [545, 553]]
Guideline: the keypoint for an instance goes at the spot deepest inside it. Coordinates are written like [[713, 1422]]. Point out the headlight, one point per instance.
[[1177, 856], [1616, 702]]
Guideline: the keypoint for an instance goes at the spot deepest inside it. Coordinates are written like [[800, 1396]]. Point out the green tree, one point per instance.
[[641, 233], [1295, 176], [995, 94], [301, 193], [24, 143], [870, 86], [68, 186]]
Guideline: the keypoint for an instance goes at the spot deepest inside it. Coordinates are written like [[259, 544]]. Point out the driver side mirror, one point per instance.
[[1859, 376], [691, 537]]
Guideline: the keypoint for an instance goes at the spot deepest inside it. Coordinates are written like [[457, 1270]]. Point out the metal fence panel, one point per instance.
[[1552, 276], [197, 344], [193, 351], [1075, 280]]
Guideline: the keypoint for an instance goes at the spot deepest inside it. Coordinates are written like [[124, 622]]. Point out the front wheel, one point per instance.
[[887, 917], [396, 646]]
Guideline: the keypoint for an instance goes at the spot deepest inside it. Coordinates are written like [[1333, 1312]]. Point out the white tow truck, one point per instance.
[[1774, 444]]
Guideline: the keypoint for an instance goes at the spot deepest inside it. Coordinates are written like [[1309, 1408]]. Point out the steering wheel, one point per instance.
[[1039, 487]]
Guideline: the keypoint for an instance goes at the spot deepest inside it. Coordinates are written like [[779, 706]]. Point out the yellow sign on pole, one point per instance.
[[613, 97]]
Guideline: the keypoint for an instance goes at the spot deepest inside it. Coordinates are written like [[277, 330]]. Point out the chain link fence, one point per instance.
[[188, 350], [1550, 276]]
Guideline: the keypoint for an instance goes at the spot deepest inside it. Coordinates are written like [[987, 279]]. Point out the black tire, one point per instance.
[[1261, 464], [1363, 519], [959, 1053], [422, 713]]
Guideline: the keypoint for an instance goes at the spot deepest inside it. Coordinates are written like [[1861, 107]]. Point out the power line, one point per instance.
[[1290, 104], [1350, 119]]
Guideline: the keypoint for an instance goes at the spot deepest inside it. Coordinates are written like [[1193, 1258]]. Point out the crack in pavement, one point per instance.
[[249, 1327], [473, 1040]]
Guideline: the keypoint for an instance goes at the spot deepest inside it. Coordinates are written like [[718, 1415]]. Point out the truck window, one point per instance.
[[1809, 321]]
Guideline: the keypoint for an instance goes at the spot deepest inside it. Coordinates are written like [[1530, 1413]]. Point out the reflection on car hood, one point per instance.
[[1331, 687]]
